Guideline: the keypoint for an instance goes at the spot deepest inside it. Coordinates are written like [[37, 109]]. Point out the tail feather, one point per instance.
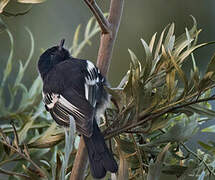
[[101, 159]]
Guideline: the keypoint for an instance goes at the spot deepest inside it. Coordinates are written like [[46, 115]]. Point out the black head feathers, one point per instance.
[[51, 57]]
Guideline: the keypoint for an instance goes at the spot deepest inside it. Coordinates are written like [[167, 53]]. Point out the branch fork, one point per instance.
[[102, 21]]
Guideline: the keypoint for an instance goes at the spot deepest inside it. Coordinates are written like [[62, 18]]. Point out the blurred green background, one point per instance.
[[56, 19]]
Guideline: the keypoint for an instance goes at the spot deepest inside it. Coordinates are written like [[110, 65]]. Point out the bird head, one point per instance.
[[56, 54], [52, 57]]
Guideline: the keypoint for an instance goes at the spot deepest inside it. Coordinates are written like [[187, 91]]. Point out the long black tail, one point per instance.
[[101, 159]]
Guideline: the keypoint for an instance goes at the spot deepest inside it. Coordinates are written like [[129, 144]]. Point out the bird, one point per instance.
[[74, 87]]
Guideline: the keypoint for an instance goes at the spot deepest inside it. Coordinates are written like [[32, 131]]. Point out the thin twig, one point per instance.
[[199, 158], [9, 160], [102, 21], [26, 158], [155, 115], [144, 115], [11, 173]]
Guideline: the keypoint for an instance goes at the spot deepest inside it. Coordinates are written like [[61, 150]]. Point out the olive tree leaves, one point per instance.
[[158, 103]]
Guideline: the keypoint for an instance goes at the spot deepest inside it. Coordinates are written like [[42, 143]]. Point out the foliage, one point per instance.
[[156, 103], [155, 109], [4, 3]]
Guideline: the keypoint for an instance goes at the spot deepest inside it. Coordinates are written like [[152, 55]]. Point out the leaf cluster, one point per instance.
[[157, 103]]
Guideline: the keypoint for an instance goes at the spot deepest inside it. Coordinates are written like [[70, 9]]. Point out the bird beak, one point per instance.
[[61, 44]]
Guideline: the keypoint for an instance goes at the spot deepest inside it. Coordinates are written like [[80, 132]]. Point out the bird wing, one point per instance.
[[61, 108]]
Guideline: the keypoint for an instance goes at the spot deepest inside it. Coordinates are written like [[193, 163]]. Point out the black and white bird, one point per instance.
[[75, 87]]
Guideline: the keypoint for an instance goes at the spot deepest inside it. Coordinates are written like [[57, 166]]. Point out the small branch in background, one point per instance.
[[102, 21], [11, 173], [154, 115], [107, 41], [110, 29], [199, 158], [25, 157]]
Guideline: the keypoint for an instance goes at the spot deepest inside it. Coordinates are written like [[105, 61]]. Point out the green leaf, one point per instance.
[[75, 38], [193, 32], [8, 67], [210, 70], [134, 59], [58, 167], [209, 129], [119, 97], [123, 167], [181, 47], [157, 51], [49, 138], [32, 96], [180, 73], [202, 175], [170, 82], [148, 62], [3, 3], [170, 38], [185, 54], [151, 44], [174, 170], [31, 1], [179, 132], [33, 174], [89, 33], [208, 147], [201, 110], [23, 132], [32, 48], [88, 27], [126, 146]]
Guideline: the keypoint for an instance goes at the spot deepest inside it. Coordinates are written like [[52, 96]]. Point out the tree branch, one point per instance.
[[199, 158], [103, 62], [102, 21], [11, 173], [154, 115], [107, 41]]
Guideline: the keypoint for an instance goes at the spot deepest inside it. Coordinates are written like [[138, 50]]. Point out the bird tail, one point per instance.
[[101, 159]]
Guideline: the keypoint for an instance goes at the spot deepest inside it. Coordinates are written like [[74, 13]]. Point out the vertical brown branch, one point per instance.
[[107, 42]]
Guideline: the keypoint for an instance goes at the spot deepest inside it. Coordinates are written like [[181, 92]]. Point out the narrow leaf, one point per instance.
[[160, 43], [210, 129], [169, 36], [3, 3], [123, 167], [8, 68], [151, 44], [148, 63], [31, 1]]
